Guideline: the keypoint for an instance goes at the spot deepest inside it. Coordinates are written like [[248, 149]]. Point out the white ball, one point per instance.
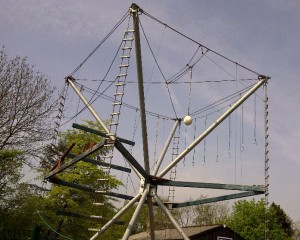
[[187, 120]]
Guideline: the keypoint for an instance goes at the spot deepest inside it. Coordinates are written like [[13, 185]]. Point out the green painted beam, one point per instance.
[[104, 164], [58, 181], [215, 199], [102, 134], [256, 188], [76, 159]]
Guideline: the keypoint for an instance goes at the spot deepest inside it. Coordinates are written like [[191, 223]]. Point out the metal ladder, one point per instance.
[[175, 153], [118, 94], [120, 83]]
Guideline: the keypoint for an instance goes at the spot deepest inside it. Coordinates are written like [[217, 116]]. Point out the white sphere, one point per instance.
[[187, 120]]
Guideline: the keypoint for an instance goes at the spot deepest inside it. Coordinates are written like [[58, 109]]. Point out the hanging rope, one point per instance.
[[267, 159], [61, 106], [218, 133], [194, 151], [204, 143], [190, 89], [229, 136], [155, 144], [168, 89], [254, 120]]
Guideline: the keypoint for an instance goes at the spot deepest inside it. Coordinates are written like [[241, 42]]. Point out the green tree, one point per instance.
[[78, 203], [10, 167], [18, 200], [212, 213], [248, 219], [282, 219]]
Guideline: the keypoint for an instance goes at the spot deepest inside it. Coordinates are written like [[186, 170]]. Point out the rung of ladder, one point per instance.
[[125, 56], [120, 84], [101, 191], [122, 75], [128, 39], [129, 30], [94, 229], [115, 113], [110, 135], [98, 204], [123, 65], [116, 103], [112, 124], [109, 156], [102, 179], [118, 93], [97, 217], [108, 145], [126, 48]]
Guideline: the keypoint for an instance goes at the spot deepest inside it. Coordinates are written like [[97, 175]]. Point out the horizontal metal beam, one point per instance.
[[76, 159], [58, 181], [102, 134], [214, 199], [78, 215], [113, 194], [256, 188], [104, 164]]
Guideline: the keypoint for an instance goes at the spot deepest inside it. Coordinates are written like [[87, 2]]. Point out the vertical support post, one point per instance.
[[135, 215], [151, 217], [135, 13]]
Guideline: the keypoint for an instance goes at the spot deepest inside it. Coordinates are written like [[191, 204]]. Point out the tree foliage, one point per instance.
[[72, 200], [12, 192], [249, 218], [25, 105]]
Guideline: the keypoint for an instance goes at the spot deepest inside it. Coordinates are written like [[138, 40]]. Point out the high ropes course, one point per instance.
[[173, 114]]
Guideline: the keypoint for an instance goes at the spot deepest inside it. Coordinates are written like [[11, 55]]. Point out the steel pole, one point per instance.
[[135, 13], [262, 80], [151, 217], [135, 215], [70, 80]]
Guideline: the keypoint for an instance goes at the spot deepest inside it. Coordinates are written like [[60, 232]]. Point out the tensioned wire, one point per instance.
[[199, 44], [99, 45]]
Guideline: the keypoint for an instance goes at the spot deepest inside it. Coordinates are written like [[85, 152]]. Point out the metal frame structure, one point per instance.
[[149, 182]]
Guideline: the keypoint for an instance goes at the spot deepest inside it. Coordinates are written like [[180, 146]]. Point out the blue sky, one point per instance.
[[262, 35]]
